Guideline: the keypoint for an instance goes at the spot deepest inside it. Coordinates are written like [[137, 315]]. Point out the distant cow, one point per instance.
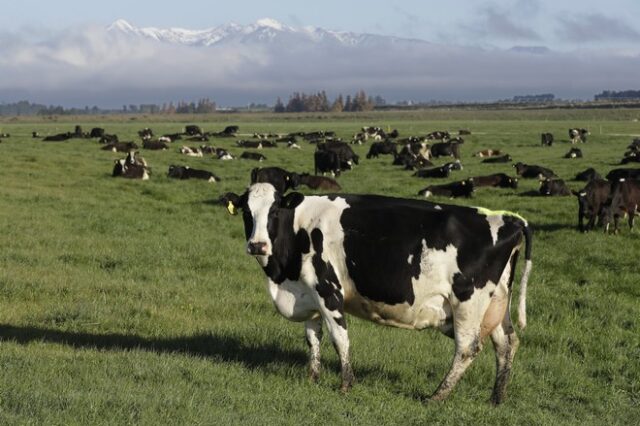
[[35, 135], [281, 179], [250, 144], [382, 148], [223, 154], [154, 145], [191, 152], [120, 146], [631, 157], [498, 180], [230, 130], [624, 199], [129, 171], [439, 135], [554, 187], [436, 172], [319, 182], [462, 188], [345, 153], [546, 139], [533, 172], [172, 137], [145, 133], [617, 174], [107, 138], [591, 200], [445, 149], [462, 132], [578, 135], [186, 172], [60, 137], [193, 130], [487, 153], [326, 162], [256, 156], [574, 153], [198, 138], [96, 132], [502, 159], [455, 165], [588, 174]]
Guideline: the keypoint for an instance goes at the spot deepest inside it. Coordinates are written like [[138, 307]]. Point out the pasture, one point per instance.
[[134, 302]]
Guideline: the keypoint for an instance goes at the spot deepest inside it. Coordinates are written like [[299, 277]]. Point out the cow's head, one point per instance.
[[513, 182], [263, 211]]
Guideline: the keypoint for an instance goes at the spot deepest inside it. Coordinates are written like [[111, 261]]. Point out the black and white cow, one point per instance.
[[122, 168], [546, 139], [497, 180], [225, 155], [326, 162], [399, 262], [186, 172], [120, 146], [463, 188], [193, 130], [256, 156], [281, 179], [574, 153], [191, 151], [578, 135]]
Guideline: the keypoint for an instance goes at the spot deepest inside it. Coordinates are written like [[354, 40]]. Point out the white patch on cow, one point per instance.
[[145, 175], [438, 207], [261, 198], [212, 179], [410, 259], [293, 300], [428, 194], [495, 223], [226, 157]]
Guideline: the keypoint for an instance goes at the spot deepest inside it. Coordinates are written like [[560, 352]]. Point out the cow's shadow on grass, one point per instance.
[[220, 348]]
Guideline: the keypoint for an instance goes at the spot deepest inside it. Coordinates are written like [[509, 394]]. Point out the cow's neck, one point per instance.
[[285, 260]]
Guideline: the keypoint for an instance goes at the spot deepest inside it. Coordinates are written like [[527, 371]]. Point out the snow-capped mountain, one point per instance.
[[265, 30]]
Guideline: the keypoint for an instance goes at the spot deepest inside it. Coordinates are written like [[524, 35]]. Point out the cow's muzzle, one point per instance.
[[257, 249]]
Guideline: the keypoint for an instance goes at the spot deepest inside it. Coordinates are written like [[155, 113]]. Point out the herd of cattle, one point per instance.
[[601, 200]]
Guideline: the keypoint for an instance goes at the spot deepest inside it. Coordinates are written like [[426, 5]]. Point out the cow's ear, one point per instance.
[[232, 202], [291, 200], [254, 175]]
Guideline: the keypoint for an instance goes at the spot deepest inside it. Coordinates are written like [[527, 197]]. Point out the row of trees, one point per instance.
[[319, 102], [612, 95]]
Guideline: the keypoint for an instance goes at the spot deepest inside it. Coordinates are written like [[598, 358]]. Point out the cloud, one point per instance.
[[90, 66], [595, 27], [493, 23]]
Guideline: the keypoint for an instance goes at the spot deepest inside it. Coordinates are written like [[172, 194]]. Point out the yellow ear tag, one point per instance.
[[231, 208]]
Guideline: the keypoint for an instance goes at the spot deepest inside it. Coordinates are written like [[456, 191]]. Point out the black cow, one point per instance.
[[455, 165], [186, 172], [107, 138], [120, 146], [499, 180], [382, 148], [193, 130], [60, 137], [228, 131], [624, 199], [554, 187], [319, 182], [246, 155], [530, 172], [281, 179], [399, 262], [588, 174], [154, 145], [172, 137], [463, 132], [436, 172], [546, 139], [345, 153], [326, 162], [96, 132], [591, 200], [462, 188], [250, 144], [617, 174], [445, 149], [574, 153], [631, 157], [506, 158]]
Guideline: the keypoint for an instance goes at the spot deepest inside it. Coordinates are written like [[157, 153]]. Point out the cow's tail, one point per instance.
[[522, 303]]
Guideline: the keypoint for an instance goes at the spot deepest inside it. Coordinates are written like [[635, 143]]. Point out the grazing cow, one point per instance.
[[588, 174], [506, 158], [436, 172], [445, 149], [546, 139], [463, 132], [498, 180], [382, 148], [193, 130], [154, 145], [120, 146], [281, 179], [96, 132], [624, 199], [256, 156], [574, 153], [60, 137], [186, 172], [319, 182], [345, 153], [191, 152], [530, 172], [326, 162], [487, 153], [591, 200], [121, 168], [617, 174], [578, 135], [462, 188], [145, 134], [554, 187], [399, 262]]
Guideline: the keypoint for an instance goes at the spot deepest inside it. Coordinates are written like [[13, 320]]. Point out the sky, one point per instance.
[[55, 51]]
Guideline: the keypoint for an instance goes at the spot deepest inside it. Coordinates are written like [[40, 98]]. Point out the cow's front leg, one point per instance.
[[340, 339], [313, 335]]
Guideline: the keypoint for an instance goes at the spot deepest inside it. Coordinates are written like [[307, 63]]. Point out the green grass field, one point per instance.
[[133, 302]]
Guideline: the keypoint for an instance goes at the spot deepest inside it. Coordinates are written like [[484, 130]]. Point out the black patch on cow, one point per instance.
[[328, 286]]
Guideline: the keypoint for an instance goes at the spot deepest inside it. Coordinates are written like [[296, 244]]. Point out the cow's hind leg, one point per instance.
[[505, 342], [313, 335]]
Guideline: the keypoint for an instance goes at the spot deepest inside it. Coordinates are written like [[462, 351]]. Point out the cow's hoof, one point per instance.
[[314, 376], [345, 388]]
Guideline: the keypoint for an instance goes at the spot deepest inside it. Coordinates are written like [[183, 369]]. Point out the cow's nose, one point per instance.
[[257, 249]]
